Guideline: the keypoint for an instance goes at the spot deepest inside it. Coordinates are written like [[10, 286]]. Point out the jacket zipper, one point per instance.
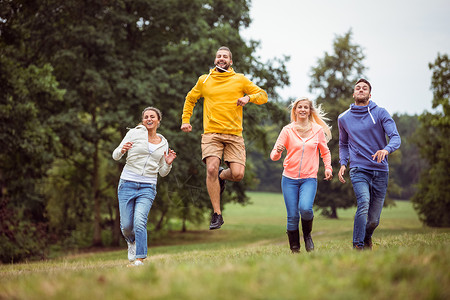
[[146, 161], [143, 169], [303, 152], [301, 161]]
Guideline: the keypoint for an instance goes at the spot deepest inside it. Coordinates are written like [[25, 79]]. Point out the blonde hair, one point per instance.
[[317, 115]]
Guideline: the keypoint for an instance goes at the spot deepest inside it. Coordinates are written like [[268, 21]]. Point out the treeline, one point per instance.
[[74, 75]]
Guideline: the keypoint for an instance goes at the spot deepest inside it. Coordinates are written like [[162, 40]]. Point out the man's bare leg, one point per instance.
[[234, 173], [212, 182]]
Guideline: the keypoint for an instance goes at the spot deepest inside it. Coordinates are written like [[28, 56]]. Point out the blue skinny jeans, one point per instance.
[[135, 202], [370, 190], [299, 197]]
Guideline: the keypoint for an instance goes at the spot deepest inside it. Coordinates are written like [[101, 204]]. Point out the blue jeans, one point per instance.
[[370, 190], [135, 201], [299, 197]]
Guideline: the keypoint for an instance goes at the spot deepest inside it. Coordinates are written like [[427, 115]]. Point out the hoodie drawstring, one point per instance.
[[210, 71], [373, 120]]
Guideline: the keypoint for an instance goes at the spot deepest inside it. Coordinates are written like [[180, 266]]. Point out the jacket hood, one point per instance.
[[314, 126], [213, 73], [143, 128], [364, 109]]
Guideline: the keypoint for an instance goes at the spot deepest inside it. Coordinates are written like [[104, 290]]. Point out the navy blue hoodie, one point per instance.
[[362, 132]]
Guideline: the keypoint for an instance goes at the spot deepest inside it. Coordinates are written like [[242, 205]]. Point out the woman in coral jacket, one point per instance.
[[303, 138], [148, 155]]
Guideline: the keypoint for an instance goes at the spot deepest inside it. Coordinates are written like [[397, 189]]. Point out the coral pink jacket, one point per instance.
[[302, 159]]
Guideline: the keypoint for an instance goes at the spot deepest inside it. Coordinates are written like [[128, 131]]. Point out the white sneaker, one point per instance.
[[136, 263], [132, 251]]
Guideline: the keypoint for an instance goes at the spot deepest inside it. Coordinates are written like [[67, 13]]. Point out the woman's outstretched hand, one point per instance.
[[280, 148], [126, 147], [170, 157]]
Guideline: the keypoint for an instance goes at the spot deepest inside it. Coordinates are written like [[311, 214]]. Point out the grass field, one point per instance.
[[249, 258]]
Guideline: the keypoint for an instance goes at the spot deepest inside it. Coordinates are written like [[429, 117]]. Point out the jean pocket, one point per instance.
[[353, 171], [120, 185], [153, 189]]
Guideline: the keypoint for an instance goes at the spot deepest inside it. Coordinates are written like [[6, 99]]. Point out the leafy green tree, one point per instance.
[[333, 79], [432, 200], [29, 100], [405, 171], [114, 58], [189, 174]]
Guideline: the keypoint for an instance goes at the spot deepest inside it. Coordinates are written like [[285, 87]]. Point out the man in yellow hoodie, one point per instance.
[[225, 94]]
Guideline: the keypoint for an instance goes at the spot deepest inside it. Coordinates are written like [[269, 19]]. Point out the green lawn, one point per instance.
[[249, 258]]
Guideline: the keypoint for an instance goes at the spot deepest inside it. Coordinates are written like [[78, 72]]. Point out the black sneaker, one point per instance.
[[216, 221], [221, 181]]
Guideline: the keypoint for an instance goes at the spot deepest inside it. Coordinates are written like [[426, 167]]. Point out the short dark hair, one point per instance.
[[366, 82], [227, 49]]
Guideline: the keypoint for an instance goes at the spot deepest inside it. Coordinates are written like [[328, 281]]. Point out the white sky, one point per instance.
[[398, 37]]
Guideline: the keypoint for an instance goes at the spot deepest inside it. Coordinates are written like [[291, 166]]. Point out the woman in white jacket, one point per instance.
[[148, 155]]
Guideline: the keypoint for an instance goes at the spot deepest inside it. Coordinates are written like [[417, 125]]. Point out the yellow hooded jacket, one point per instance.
[[220, 91]]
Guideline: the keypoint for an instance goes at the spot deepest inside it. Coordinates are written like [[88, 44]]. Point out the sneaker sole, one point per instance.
[[132, 265], [215, 227]]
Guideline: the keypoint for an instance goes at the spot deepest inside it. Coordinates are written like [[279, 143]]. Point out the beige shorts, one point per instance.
[[230, 146]]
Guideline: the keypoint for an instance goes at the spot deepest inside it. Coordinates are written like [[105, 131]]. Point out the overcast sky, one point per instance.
[[399, 39]]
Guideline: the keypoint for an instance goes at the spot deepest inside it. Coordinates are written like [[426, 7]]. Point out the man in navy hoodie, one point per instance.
[[362, 141]]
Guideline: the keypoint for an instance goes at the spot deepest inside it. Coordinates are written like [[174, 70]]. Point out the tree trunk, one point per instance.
[[333, 212], [97, 241], [184, 228], [158, 226], [116, 232]]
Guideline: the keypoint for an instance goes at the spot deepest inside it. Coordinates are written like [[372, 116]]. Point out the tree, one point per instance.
[[114, 58], [29, 100], [333, 78], [432, 200], [405, 171]]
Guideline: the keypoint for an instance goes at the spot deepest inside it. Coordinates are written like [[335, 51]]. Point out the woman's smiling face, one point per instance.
[[150, 119], [303, 111]]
